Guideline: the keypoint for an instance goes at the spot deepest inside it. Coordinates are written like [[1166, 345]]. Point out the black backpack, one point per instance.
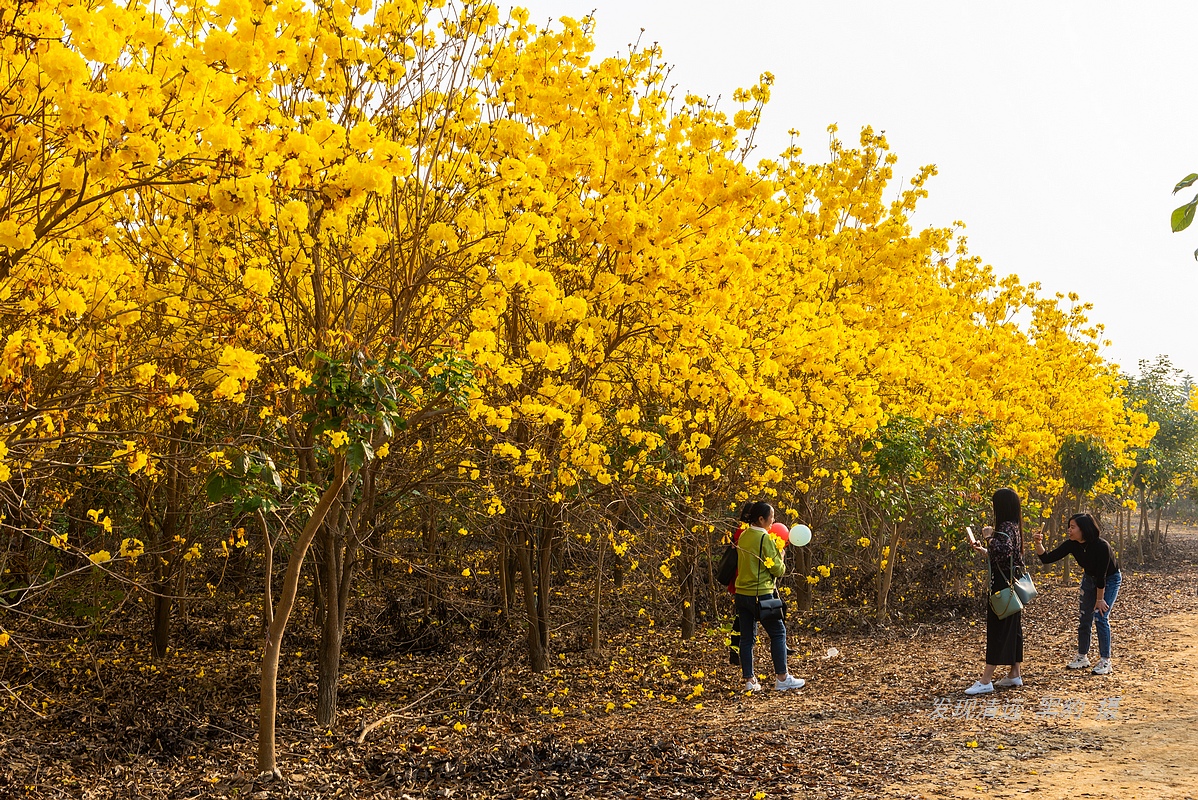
[[725, 570]]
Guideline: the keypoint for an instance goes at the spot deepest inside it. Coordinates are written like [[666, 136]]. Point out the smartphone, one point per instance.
[[969, 532]]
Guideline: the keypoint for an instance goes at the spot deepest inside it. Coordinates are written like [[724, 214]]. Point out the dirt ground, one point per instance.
[[1145, 747], [1132, 734], [883, 715]]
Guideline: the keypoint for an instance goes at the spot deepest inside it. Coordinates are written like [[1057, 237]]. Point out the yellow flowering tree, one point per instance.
[[338, 253]]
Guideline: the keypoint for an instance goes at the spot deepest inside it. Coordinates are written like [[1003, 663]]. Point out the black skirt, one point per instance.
[[1004, 638]]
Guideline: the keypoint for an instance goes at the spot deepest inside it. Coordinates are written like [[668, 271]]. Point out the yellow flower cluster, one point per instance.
[[194, 208]]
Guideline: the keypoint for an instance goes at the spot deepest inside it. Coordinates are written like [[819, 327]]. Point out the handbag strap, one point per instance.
[[1010, 576], [760, 561]]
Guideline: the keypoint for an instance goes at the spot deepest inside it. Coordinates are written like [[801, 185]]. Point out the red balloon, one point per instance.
[[781, 531]]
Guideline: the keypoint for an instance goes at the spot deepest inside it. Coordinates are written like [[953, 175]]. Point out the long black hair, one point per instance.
[[1006, 508], [758, 510], [1088, 526]]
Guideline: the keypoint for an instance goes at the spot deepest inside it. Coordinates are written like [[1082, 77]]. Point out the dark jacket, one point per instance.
[[1006, 544], [1096, 558]]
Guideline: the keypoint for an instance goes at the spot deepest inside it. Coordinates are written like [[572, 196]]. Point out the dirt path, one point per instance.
[[1146, 746], [883, 717]]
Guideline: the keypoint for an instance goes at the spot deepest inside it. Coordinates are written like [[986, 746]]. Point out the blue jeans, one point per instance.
[[1087, 597], [746, 614]]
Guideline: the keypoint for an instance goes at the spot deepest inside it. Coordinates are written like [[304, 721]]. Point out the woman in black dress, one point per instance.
[[1004, 637]]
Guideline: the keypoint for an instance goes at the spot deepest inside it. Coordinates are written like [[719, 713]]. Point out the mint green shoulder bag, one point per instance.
[[1006, 602]]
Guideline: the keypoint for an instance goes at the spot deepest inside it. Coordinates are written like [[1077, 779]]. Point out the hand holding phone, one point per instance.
[[972, 539]]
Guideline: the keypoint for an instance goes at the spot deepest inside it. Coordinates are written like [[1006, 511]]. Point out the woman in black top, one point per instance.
[[1004, 637], [1100, 587]]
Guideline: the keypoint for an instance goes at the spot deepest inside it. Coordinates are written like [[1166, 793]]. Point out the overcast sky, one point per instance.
[[1059, 128]]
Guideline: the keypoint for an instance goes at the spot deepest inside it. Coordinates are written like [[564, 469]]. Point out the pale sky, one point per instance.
[[1059, 128]]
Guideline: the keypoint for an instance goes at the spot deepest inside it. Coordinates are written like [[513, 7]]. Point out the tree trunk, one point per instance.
[[1120, 519], [511, 565], [268, 702], [1143, 526], [167, 585], [317, 597], [715, 590], [431, 544], [617, 566], [686, 584], [339, 545], [505, 580], [804, 594], [1067, 563], [537, 659], [329, 670], [1156, 532], [545, 548], [162, 618], [598, 595], [329, 653], [886, 576], [268, 557]]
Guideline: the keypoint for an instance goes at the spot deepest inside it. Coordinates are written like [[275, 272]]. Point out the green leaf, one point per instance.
[[255, 503], [1183, 216], [272, 477], [220, 487], [1186, 181], [359, 453]]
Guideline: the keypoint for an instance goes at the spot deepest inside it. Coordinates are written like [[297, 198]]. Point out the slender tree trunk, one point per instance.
[[329, 670], [617, 561], [329, 656], [1143, 526], [268, 702], [714, 589], [1156, 532], [340, 544], [375, 547], [162, 618], [1117, 534], [317, 596], [545, 548], [431, 544], [804, 597], [339, 548], [501, 559], [537, 660], [598, 595], [886, 576], [511, 565], [1067, 563], [686, 584], [268, 556]]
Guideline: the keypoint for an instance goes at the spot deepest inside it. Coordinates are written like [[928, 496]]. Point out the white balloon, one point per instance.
[[800, 535]]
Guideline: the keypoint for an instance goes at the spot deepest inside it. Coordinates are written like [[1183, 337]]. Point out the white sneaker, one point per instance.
[[791, 682], [1103, 667], [980, 688], [1007, 682], [752, 686], [1080, 661]]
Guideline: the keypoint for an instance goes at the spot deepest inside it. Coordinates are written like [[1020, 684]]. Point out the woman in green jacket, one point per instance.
[[759, 565]]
